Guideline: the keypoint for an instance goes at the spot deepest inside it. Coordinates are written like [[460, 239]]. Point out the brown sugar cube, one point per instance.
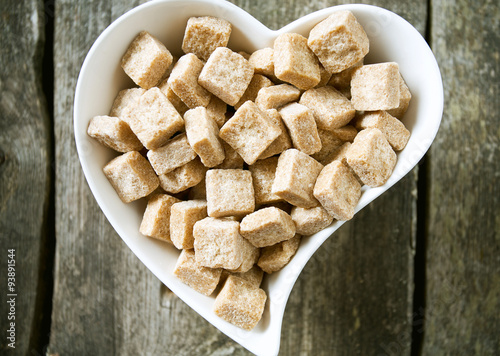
[[240, 303], [262, 61], [156, 220], [198, 192], [294, 62], [244, 55], [263, 173], [229, 192], [175, 153], [282, 142], [146, 60], [337, 190], [302, 128], [232, 159], [114, 133], [330, 108], [249, 132], [250, 257], [275, 96], [169, 69], [183, 216], [202, 134], [125, 101], [346, 133], [202, 279], [254, 275], [394, 130], [371, 157], [375, 87], [324, 76], [342, 80], [131, 175], [218, 243], [184, 81], [226, 75], [178, 104], [339, 41], [158, 190], [204, 34], [296, 174], [329, 143], [274, 258], [183, 177], [310, 221], [257, 83], [216, 109], [340, 154], [267, 227], [404, 100], [154, 120]]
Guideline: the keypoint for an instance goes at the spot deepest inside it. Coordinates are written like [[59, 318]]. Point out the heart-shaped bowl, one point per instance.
[[101, 77]]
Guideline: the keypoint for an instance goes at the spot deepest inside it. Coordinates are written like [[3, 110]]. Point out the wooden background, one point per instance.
[[416, 272]]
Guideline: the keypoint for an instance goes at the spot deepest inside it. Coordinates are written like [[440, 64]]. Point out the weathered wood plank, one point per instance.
[[106, 302], [463, 245], [24, 170]]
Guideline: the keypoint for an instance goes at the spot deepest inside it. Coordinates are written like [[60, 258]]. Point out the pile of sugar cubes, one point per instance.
[[240, 155]]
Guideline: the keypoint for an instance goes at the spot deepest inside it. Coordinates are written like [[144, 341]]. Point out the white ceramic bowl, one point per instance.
[[101, 77]]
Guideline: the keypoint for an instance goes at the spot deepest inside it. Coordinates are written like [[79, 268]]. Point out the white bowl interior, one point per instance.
[[101, 77]]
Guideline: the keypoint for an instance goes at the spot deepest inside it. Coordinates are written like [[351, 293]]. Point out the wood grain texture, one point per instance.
[[463, 247], [24, 167], [353, 297]]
